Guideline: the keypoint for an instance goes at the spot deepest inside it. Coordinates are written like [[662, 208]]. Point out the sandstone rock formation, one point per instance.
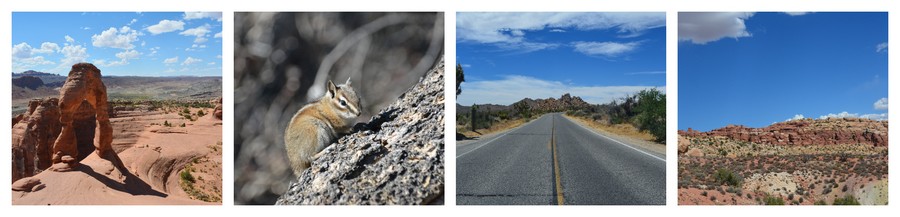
[[33, 137], [395, 158], [217, 112], [82, 85], [805, 132]]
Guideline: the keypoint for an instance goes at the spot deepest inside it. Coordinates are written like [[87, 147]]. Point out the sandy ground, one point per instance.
[[153, 156]]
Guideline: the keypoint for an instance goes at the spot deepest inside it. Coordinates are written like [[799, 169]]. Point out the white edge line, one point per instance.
[[617, 141], [482, 145], [495, 138]]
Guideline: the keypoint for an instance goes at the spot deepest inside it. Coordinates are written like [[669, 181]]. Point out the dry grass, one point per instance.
[[626, 130], [496, 127]]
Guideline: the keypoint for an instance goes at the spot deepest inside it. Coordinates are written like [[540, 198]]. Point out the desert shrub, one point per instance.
[[183, 125], [201, 113], [167, 124], [186, 176], [844, 189], [770, 200], [846, 200], [727, 177], [820, 202], [651, 108]]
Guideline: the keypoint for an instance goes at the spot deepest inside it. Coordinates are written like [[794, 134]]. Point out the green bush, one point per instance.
[[770, 200], [727, 177], [651, 116], [186, 176], [846, 200]]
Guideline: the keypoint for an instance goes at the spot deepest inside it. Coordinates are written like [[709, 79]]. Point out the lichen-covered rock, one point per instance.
[[395, 158]]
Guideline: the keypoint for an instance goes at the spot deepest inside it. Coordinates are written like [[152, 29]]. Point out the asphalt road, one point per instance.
[[553, 160]]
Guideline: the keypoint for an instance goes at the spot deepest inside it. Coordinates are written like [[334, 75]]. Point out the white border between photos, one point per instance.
[[449, 7]]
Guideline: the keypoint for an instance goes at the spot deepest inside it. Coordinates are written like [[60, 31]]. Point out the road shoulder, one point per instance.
[[656, 148]]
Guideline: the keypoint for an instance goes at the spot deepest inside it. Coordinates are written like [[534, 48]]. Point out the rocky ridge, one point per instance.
[[806, 132]]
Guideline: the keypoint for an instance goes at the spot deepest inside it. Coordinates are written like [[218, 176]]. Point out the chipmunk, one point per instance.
[[318, 124]]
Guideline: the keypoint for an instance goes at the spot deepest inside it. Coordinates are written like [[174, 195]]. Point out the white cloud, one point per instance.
[[796, 13], [466, 65], [211, 63], [219, 56], [85, 28], [609, 49], [881, 104], [796, 117], [22, 50], [69, 39], [199, 31], [132, 21], [191, 60], [705, 27], [165, 26], [121, 38], [71, 54], [171, 60], [218, 35], [153, 51], [881, 47], [557, 30], [24, 59], [129, 54], [513, 88], [47, 47], [510, 30], [201, 15], [882, 116]]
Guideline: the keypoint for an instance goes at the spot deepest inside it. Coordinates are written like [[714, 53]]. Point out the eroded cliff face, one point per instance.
[[804, 132], [395, 158], [33, 136]]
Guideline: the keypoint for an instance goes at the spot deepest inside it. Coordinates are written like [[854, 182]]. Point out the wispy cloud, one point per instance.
[[513, 88], [881, 104], [510, 30], [608, 49], [881, 47], [705, 27]]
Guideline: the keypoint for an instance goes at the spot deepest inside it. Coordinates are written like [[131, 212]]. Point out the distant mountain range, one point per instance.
[[564, 103]]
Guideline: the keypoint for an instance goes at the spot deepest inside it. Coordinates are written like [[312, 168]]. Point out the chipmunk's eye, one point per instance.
[[343, 103]]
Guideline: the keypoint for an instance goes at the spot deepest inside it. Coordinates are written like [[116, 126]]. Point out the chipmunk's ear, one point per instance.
[[348, 81], [332, 90]]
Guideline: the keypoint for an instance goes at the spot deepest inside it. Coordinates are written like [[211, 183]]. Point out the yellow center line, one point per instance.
[[560, 199]]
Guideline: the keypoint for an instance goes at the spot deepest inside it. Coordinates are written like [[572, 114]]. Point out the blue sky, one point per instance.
[[120, 44], [755, 69], [597, 56]]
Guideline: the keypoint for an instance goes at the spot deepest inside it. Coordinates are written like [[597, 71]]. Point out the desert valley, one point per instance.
[[166, 138], [838, 161]]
